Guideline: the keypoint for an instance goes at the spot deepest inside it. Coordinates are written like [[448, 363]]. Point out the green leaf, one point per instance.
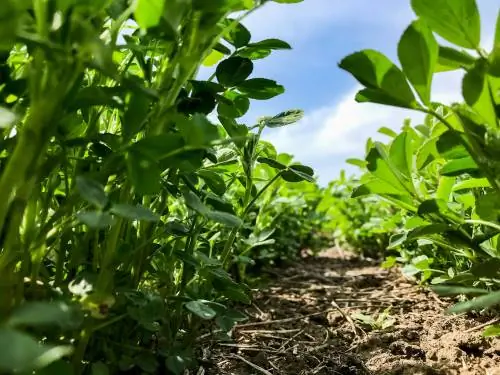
[[389, 262], [272, 163], [298, 173], [426, 230], [235, 105], [148, 362], [22, 353], [270, 44], [148, 13], [472, 183], [457, 167], [99, 368], [261, 88], [357, 162], [143, 172], [450, 146], [445, 188], [9, 23], [234, 71], [238, 36], [95, 219], [98, 96], [59, 367], [92, 191], [176, 228], [213, 180], [201, 309], [225, 218], [488, 207], [225, 323], [387, 131], [378, 165], [384, 81], [134, 212], [457, 21], [158, 147], [378, 97], [234, 130], [254, 53], [198, 131], [135, 115], [195, 203], [237, 294], [283, 119], [489, 268], [438, 207], [418, 54], [376, 187], [424, 130], [401, 154], [396, 240], [426, 153], [213, 58], [478, 303], [35, 314], [432, 206], [492, 331], [476, 92], [452, 59], [177, 364]]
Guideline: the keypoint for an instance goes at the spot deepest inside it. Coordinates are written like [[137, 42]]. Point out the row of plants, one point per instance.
[[442, 174], [361, 224], [128, 219]]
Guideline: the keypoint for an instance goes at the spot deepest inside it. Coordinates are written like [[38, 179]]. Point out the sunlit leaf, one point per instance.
[[457, 21], [383, 80], [418, 54], [201, 309], [148, 12]]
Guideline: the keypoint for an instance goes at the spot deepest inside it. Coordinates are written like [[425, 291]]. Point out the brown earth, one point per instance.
[[303, 323]]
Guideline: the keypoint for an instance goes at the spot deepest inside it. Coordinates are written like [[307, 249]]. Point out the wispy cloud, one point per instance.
[[340, 130]]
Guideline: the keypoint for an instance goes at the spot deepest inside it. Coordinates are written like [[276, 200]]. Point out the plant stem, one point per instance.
[[261, 191], [79, 354]]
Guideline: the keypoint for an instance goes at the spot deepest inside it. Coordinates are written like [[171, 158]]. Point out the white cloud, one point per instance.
[[340, 131]]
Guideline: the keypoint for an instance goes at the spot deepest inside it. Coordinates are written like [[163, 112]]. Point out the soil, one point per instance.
[[304, 323]]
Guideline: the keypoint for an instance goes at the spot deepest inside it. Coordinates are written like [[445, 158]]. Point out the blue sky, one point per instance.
[[321, 33]]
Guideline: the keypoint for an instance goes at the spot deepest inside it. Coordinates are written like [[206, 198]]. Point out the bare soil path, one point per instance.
[[303, 323]]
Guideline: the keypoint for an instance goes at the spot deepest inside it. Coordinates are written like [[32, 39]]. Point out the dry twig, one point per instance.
[[481, 326], [253, 365], [287, 320]]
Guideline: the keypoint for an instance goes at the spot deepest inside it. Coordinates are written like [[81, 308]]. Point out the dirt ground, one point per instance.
[[304, 323]]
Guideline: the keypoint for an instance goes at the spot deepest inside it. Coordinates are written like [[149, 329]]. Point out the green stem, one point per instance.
[[261, 191], [226, 252], [485, 223], [81, 348], [17, 166], [61, 257]]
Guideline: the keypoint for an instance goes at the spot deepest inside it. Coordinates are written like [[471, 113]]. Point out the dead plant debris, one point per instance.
[[339, 314]]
